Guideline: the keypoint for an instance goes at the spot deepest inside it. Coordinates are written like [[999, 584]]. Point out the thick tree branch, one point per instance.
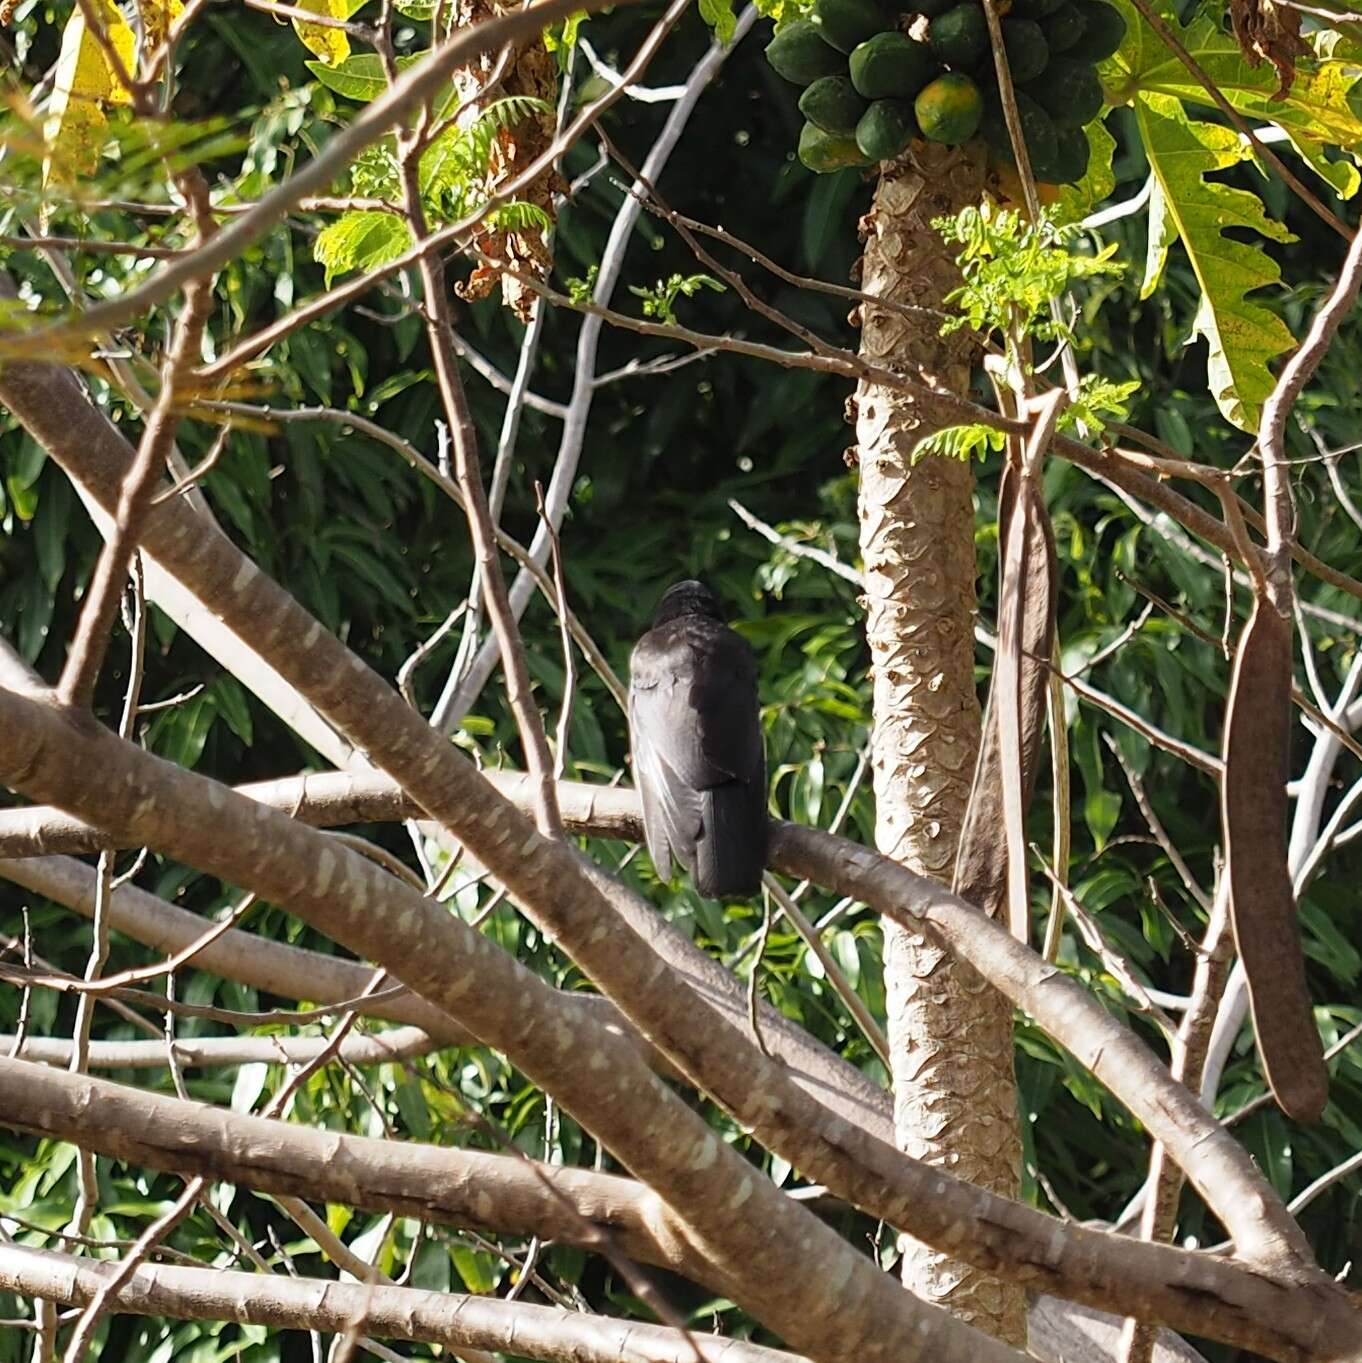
[[214, 1052], [288, 971], [497, 1194], [1192, 1292], [392, 1312], [1058, 1004], [445, 784], [783, 1265], [513, 1195], [625, 961]]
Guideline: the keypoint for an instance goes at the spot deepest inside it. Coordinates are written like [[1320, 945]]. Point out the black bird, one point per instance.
[[696, 733]]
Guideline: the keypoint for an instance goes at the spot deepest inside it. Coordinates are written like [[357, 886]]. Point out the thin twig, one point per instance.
[[77, 684], [569, 662], [200, 470], [367, 128], [106, 984], [1170, 849], [855, 1005], [1299, 370], [795, 547], [439, 330]]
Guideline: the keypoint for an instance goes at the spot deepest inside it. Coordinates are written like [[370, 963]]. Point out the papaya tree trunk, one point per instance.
[[955, 1099]]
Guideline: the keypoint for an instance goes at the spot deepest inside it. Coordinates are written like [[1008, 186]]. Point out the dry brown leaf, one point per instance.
[[981, 862], [1268, 30]]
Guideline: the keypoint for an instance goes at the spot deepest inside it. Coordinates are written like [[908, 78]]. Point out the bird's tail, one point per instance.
[[730, 853]]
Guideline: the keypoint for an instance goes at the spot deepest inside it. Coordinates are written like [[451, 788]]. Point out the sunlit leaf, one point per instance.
[[332, 45], [85, 80], [360, 241], [1244, 337]]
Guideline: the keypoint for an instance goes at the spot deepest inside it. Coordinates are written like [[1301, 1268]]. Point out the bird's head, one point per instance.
[[687, 598]]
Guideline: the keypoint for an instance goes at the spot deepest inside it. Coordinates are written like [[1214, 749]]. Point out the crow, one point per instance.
[[696, 735]]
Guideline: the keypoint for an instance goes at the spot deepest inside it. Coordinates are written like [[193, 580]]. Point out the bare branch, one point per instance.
[[452, 1319], [217, 1052], [814, 1292]]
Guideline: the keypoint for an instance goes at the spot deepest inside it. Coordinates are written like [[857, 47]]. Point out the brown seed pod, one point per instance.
[[1262, 905], [981, 861]]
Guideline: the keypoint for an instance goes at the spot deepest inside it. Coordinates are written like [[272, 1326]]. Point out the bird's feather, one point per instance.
[[698, 759]]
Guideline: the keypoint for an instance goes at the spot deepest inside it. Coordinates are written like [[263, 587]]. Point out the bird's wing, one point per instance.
[[671, 811], [724, 697], [698, 682]]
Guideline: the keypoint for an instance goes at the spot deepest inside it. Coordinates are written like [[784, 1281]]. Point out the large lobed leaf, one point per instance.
[[1317, 112], [1244, 336]]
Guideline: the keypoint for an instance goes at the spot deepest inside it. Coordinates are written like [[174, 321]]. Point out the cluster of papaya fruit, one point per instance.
[[876, 77]]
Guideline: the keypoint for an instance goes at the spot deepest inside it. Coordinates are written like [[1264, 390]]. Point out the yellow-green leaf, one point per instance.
[[84, 83], [1244, 337], [1077, 201], [1317, 112], [158, 17], [361, 77], [330, 44], [360, 241]]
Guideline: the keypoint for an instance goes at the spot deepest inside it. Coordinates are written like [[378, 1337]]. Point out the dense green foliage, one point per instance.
[[381, 557]]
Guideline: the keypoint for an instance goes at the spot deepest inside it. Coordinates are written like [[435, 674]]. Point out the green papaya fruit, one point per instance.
[[845, 24], [1038, 132], [1071, 157], [949, 109], [959, 38], [891, 66], [1069, 92], [799, 54], [1064, 28], [1027, 50], [886, 129], [1032, 9], [823, 152], [832, 104], [1104, 30]]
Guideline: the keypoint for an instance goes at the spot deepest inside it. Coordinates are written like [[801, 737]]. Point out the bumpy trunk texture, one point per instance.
[[955, 1100]]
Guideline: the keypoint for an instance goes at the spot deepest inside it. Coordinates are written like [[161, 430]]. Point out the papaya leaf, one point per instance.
[[84, 83], [332, 45], [1244, 337], [1319, 111], [1075, 202], [360, 241]]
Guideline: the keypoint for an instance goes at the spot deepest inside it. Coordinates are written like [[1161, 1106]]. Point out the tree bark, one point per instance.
[[955, 1098]]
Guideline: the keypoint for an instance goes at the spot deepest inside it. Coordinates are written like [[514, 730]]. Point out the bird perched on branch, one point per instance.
[[696, 735]]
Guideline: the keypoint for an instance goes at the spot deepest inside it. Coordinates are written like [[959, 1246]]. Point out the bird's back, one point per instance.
[[699, 764]]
